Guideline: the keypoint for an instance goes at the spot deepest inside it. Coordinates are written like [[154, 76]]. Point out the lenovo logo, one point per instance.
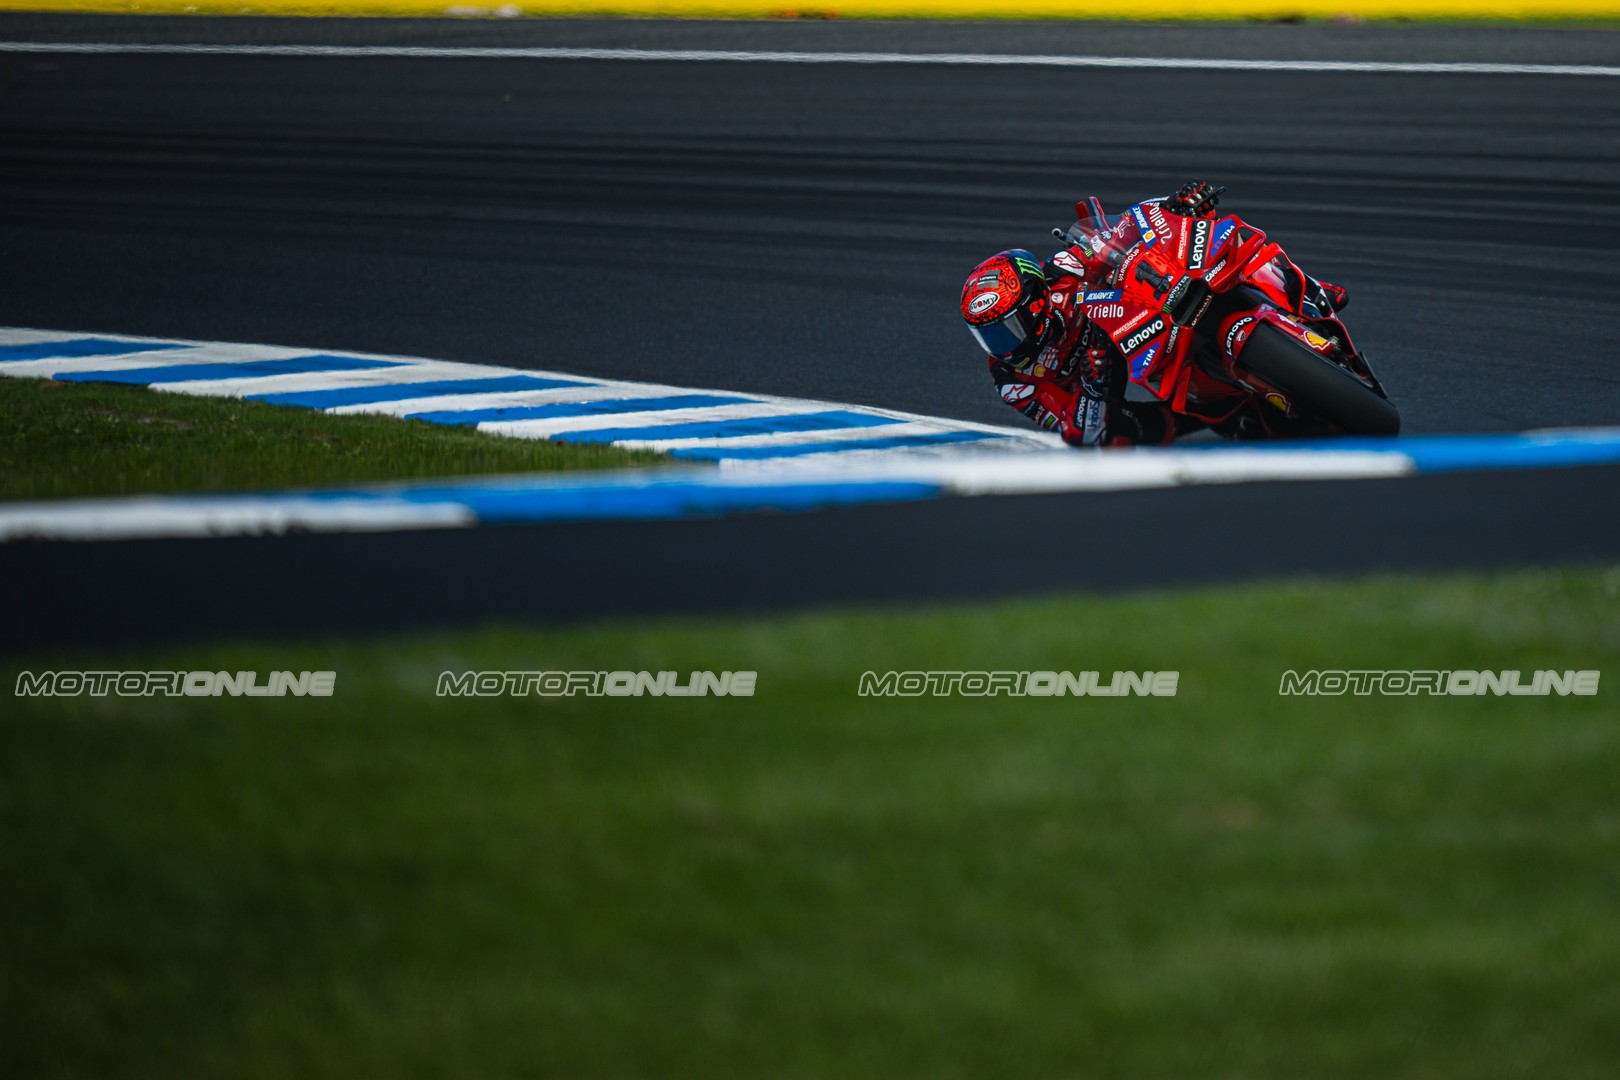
[[1143, 336]]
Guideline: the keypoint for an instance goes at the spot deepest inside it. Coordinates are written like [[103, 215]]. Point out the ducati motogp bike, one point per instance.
[[1215, 320]]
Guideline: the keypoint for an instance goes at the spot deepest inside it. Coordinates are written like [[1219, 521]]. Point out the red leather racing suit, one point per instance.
[[1075, 386]]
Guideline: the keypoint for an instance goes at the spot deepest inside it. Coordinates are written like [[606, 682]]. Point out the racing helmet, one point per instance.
[[1006, 305]]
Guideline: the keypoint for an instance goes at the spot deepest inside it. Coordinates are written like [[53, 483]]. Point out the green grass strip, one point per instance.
[[808, 883], [60, 439]]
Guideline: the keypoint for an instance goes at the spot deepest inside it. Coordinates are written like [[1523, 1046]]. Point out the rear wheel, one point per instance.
[[1317, 385]]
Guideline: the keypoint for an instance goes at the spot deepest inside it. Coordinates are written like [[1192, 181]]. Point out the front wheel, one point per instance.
[[1317, 385]]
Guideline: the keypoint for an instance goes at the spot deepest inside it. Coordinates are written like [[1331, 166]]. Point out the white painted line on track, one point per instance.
[[1149, 467], [458, 502], [508, 399], [157, 356], [540, 429], [424, 372], [788, 438], [145, 517], [705, 56]]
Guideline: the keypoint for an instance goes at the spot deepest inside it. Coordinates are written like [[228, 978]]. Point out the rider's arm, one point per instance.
[[1195, 198], [1102, 416], [1078, 407], [1098, 390], [1042, 400]]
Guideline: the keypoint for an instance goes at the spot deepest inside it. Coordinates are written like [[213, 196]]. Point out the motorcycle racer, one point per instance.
[[1051, 364]]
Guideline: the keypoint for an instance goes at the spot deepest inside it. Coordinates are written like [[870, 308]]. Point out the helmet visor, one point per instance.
[[1004, 337]]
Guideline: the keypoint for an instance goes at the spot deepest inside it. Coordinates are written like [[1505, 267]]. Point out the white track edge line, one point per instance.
[[1413, 67]]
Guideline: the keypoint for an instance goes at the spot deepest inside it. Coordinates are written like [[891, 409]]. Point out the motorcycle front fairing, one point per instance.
[[1166, 270], [1187, 295]]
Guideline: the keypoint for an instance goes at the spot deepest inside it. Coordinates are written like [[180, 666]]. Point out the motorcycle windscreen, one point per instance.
[[1002, 338]]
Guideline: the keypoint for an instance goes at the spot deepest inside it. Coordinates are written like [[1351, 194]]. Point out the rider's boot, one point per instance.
[[1324, 299], [1337, 295]]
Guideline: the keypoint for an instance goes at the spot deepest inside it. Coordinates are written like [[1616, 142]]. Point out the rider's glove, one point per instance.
[[1096, 367], [1194, 199], [1088, 424]]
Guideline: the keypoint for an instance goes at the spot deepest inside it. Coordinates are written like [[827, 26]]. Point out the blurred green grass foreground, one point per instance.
[[809, 883]]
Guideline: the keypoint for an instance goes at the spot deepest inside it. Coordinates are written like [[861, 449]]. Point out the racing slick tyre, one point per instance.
[[1318, 385]]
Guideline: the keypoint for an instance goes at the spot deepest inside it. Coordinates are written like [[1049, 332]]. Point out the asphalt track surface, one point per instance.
[[803, 230]]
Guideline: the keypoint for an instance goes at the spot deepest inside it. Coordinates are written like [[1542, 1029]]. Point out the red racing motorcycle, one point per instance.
[[1211, 317]]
